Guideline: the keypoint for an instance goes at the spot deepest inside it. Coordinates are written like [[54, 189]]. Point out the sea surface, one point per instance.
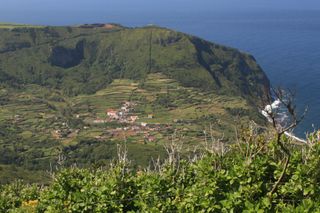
[[286, 43]]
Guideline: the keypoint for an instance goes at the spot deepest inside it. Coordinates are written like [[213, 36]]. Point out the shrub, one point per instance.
[[238, 180]]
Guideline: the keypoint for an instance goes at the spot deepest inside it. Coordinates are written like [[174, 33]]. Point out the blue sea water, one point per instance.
[[285, 43], [287, 46]]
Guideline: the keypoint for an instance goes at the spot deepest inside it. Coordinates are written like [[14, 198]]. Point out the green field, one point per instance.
[[58, 83], [14, 25], [29, 118]]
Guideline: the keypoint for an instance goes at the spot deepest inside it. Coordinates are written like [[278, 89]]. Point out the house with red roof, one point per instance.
[[113, 114]]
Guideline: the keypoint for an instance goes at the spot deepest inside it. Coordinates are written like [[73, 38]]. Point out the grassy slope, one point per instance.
[[30, 116], [36, 56], [187, 83]]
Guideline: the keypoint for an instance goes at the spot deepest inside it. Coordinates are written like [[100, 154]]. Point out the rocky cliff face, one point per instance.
[[89, 58]]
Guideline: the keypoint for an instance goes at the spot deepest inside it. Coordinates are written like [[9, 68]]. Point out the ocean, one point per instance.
[[286, 43]]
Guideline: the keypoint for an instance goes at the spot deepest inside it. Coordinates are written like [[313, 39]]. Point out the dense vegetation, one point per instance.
[[236, 178], [84, 59], [31, 117], [56, 84]]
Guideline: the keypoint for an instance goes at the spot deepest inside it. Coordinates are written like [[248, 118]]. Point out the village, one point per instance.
[[131, 126], [127, 121]]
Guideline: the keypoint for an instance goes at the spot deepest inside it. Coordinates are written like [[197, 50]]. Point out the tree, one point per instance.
[[285, 100]]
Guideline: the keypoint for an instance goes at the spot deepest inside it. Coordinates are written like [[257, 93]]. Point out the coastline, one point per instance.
[[275, 105]]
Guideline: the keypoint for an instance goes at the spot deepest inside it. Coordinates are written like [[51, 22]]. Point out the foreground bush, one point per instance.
[[237, 180]]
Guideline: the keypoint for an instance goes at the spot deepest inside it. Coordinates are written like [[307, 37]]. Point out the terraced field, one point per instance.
[[49, 130]]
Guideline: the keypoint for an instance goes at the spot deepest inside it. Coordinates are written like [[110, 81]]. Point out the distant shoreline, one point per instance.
[[275, 105]]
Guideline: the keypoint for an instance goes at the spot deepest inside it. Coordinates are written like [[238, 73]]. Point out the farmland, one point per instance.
[[46, 126], [71, 95]]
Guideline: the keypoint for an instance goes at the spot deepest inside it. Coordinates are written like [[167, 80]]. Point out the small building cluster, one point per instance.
[[123, 114], [131, 125]]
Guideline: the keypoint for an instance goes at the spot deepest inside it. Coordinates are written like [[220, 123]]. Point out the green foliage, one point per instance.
[[30, 116], [12, 196], [79, 190], [164, 100], [236, 181], [55, 81], [82, 60]]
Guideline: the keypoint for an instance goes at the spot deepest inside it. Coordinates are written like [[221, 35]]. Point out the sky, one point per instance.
[[34, 5], [59, 11]]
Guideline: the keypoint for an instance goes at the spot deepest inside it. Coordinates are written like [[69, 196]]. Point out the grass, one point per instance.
[[39, 98], [28, 116], [14, 25]]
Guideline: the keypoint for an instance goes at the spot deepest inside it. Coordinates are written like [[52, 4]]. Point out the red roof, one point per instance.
[[111, 110]]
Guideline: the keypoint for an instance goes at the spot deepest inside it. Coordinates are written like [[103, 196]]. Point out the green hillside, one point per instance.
[[58, 84], [82, 60], [4, 25]]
